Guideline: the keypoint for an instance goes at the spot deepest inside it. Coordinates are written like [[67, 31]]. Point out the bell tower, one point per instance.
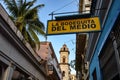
[[64, 62]]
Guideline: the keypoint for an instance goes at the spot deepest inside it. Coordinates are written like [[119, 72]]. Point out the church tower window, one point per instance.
[[64, 59], [63, 73], [64, 49]]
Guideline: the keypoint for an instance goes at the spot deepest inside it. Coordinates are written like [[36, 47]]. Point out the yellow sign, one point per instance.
[[73, 26]]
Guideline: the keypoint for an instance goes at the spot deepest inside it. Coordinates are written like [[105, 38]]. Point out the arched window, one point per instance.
[[64, 49], [64, 59], [63, 73]]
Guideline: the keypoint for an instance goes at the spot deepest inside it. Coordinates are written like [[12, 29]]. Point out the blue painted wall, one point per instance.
[[111, 18]]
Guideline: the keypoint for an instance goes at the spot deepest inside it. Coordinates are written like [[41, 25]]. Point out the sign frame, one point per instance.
[[77, 31]]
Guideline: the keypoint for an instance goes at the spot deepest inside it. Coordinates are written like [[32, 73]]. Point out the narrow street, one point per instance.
[[70, 44]]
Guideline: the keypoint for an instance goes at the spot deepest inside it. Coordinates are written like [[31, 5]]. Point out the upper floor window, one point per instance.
[[64, 49], [63, 73], [64, 59]]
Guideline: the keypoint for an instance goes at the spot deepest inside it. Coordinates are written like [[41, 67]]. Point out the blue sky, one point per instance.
[[59, 6]]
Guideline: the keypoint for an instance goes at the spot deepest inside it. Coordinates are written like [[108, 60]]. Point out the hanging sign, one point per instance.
[[73, 26]]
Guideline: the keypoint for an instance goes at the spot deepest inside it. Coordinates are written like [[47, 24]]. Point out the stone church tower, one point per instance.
[[64, 62]]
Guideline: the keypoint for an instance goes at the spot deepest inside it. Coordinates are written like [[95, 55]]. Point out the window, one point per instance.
[[108, 61], [50, 67], [64, 59], [64, 49], [116, 30], [63, 73]]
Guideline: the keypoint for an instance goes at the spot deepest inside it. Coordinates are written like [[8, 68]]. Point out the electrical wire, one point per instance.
[[77, 1], [63, 6], [72, 41]]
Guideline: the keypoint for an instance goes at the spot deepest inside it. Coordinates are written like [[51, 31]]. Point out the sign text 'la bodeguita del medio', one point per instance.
[[73, 26]]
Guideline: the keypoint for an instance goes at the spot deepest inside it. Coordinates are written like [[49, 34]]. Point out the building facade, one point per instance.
[[18, 61], [48, 56], [103, 50], [64, 62], [80, 56], [84, 6], [82, 65]]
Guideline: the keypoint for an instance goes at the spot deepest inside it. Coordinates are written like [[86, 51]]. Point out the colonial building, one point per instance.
[[103, 50], [84, 8], [64, 62], [80, 56], [46, 52], [18, 61]]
